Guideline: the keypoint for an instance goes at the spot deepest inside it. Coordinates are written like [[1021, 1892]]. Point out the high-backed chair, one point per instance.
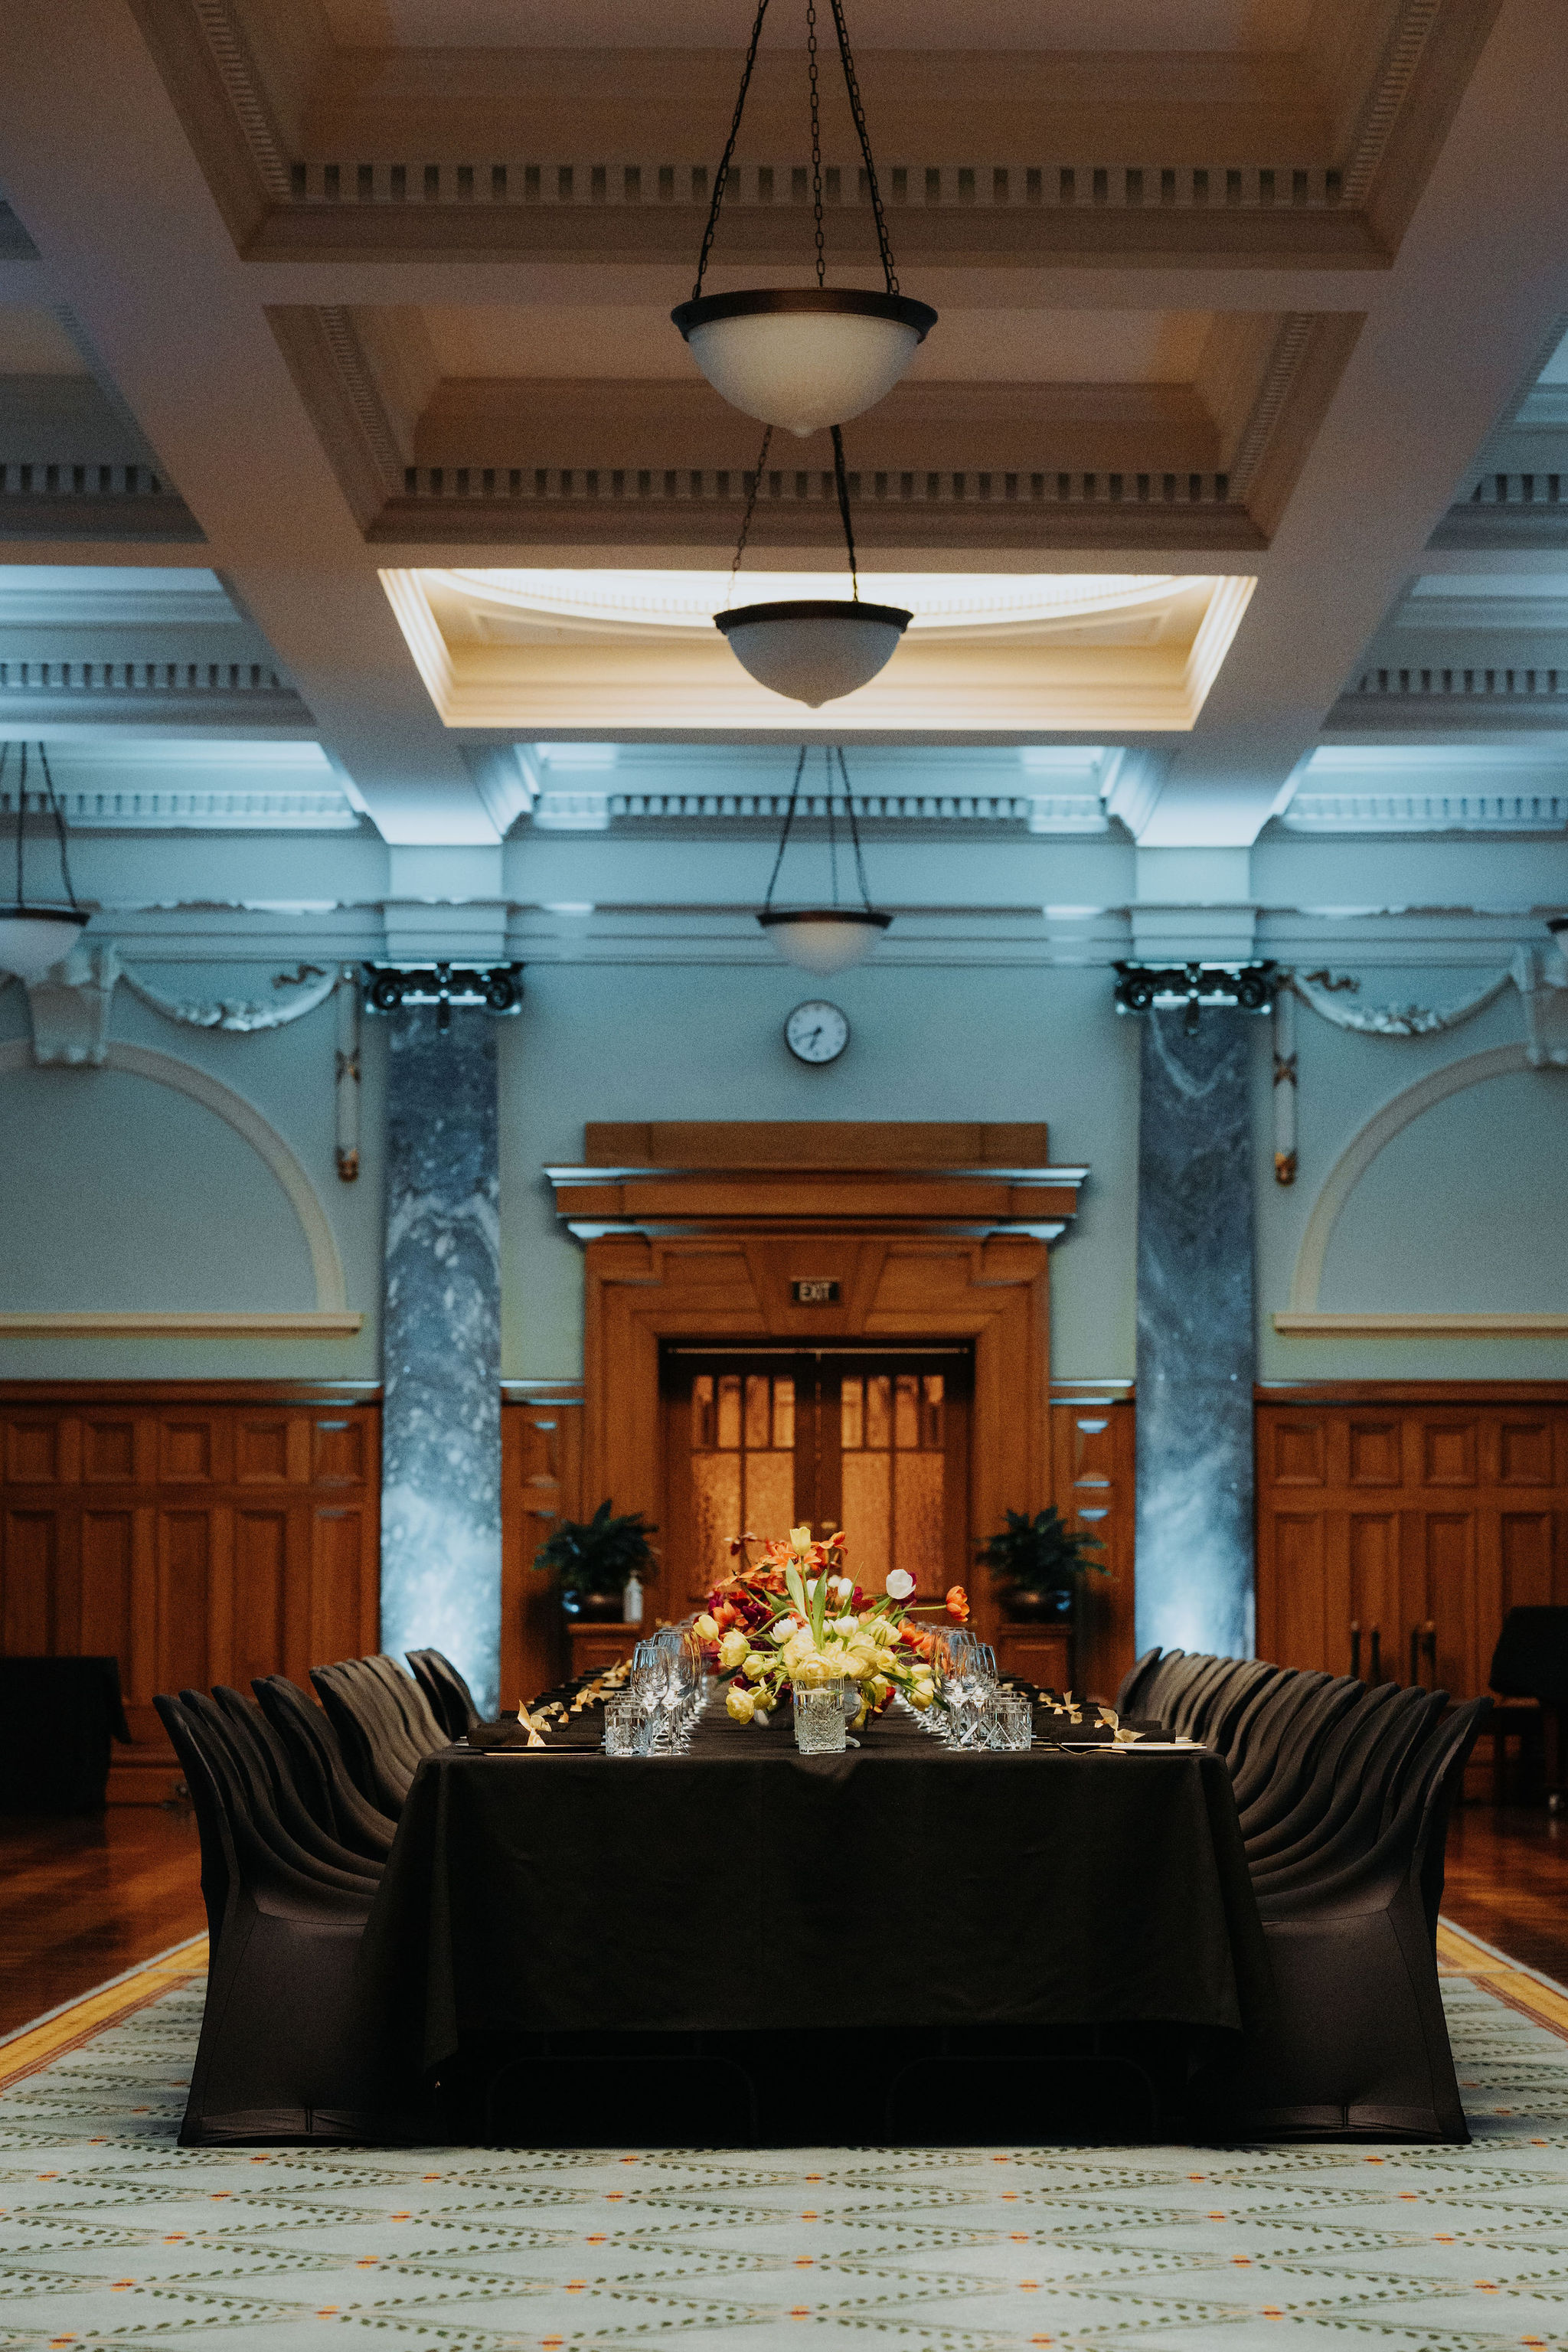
[[287, 2050], [317, 1758], [451, 1700]]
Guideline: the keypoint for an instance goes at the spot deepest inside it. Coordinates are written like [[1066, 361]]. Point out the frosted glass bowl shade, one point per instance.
[[824, 939], [33, 939], [804, 358], [814, 651]]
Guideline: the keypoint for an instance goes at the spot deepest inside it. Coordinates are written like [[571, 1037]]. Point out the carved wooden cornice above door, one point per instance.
[[893, 1232]]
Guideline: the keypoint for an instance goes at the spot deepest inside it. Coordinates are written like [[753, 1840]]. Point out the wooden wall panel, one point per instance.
[[200, 1535], [1436, 1509], [541, 1478], [1094, 1457]]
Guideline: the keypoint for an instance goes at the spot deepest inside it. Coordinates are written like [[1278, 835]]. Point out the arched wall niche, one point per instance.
[[293, 1228], [1482, 1186]]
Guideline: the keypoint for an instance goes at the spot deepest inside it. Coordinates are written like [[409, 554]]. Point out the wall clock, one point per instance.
[[816, 1032]]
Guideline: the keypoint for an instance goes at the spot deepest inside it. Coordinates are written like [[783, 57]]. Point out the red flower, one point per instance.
[[957, 1603]]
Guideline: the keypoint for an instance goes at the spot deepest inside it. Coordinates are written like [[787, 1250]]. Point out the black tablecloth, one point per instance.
[[737, 1886], [58, 1717]]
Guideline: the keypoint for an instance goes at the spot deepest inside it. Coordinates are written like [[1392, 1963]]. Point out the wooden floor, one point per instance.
[[84, 1898], [80, 1900], [1507, 1881]]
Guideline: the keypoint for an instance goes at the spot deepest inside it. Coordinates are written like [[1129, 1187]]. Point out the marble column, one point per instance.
[[440, 1491], [1197, 1342]]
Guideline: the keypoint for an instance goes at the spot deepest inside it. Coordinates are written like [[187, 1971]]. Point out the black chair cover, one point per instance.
[[1361, 2047], [451, 1700], [318, 1761], [376, 1745], [58, 1717], [1531, 1660], [284, 2053]]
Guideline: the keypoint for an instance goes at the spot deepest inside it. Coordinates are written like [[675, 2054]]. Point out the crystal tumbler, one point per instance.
[[819, 1727], [1015, 1720], [623, 1723]]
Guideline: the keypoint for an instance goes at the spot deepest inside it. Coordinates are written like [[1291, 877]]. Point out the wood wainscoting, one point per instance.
[[201, 1533], [1398, 1523], [542, 1483]]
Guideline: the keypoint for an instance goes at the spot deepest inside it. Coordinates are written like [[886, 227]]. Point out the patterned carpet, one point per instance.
[[112, 2235]]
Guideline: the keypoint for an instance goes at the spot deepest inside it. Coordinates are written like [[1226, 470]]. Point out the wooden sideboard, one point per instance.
[[201, 1534]]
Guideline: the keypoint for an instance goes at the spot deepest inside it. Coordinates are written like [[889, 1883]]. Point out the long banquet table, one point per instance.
[[571, 1904]]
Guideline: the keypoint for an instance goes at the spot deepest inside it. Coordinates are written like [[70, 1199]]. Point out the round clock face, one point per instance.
[[816, 1032]]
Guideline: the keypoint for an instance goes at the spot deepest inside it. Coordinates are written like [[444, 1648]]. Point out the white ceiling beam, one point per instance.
[[1479, 277], [100, 171]]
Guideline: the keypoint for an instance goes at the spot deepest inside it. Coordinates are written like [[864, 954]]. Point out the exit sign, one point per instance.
[[817, 1291]]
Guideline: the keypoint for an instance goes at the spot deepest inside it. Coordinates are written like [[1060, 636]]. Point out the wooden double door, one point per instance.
[[1394, 1535], [757, 1441]]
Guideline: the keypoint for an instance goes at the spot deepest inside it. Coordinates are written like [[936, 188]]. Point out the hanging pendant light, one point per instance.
[[814, 649], [823, 940], [804, 357], [34, 939]]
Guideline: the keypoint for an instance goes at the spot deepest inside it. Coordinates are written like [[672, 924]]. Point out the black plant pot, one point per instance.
[[1021, 1606], [594, 1608]]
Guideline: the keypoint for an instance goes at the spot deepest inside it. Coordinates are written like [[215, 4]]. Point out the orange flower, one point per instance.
[[957, 1603]]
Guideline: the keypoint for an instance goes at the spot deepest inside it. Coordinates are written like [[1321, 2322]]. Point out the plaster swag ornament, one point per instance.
[[1540, 979]]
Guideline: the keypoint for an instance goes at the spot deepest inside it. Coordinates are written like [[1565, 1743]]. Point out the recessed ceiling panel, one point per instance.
[[544, 651]]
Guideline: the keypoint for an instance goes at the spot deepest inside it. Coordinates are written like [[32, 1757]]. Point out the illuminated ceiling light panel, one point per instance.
[[544, 652]]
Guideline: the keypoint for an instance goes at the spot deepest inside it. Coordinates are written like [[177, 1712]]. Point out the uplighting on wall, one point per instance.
[[803, 357], [824, 939], [34, 938]]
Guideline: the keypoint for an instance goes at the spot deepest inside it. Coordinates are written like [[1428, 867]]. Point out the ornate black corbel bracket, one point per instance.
[[1249, 987], [496, 989]]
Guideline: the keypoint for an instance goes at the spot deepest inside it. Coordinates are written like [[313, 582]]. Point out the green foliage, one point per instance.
[[597, 1555], [1039, 1554]]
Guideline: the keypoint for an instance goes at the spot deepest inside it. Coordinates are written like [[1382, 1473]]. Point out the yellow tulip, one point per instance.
[[733, 1649], [740, 1705], [753, 1665], [810, 1673], [921, 1695], [706, 1627], [800, 1538]]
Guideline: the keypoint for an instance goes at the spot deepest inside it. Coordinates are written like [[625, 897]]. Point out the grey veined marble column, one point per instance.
[[441, 1479], [1196, 1337]]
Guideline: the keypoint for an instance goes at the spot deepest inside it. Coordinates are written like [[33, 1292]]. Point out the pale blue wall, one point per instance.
[[114, 1192], [692, 1042], [1465, 1210]]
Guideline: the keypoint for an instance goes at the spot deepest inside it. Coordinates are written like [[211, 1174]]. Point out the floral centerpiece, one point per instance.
[[794, 1616]]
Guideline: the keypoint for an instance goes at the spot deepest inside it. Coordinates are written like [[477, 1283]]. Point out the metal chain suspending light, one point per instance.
[[813, 649], [814, 937], [34, 939], [805, 357]]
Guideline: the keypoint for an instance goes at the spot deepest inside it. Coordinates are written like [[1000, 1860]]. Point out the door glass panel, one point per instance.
[[918, 1516], [907, 1412], [770, 1495], [783, 1416], [716, 1493], [868, 1520], [845, 1444]]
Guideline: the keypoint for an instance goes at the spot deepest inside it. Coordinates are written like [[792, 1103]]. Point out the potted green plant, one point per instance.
[[594, 1560], [1038, 1564]]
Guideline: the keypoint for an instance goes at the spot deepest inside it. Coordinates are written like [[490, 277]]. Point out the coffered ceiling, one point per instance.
[[335, 360]]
